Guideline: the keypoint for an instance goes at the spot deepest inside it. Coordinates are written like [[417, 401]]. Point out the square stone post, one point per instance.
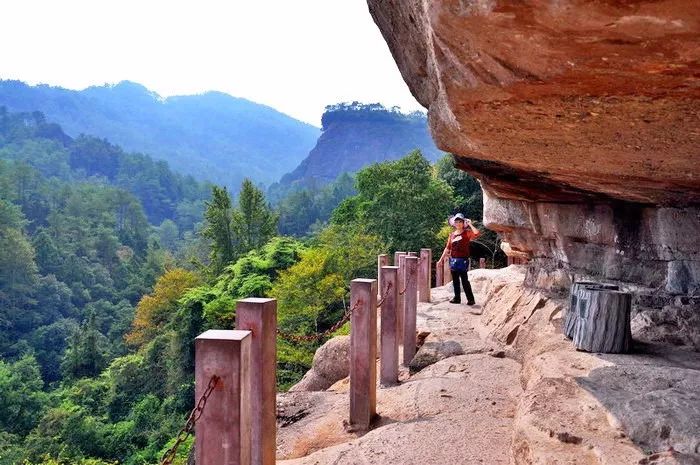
[[260, 317], [223, 430], [424, 278], [401, 279], [439, 274], [363, 353], [410, 310], [389, 350], [382, 260], [446, 273]]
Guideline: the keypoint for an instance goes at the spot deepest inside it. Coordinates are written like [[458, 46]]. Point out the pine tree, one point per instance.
[[254, 222]]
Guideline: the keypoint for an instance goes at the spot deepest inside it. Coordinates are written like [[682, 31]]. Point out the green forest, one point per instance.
[[111, 264]]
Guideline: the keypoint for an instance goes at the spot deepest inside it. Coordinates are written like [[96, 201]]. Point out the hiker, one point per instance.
[[457, 249]]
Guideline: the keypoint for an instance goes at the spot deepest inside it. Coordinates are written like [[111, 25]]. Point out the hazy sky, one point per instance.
[[294, 55]]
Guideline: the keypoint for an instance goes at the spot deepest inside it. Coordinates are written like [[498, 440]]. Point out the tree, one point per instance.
[[21, 395], [86, 355], [254, 222], [157, 309], [217, 228], [469, 198], [402, 202]]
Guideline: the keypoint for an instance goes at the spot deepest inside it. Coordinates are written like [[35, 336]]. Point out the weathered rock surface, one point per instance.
[[519, 395], [331, 363], [433, 352], [557, 100], [581, 118]]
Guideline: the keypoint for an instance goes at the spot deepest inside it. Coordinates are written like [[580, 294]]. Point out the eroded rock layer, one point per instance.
[[581, 118]]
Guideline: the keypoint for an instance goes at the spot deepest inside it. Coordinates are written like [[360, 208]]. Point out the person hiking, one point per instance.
[[457, 249]]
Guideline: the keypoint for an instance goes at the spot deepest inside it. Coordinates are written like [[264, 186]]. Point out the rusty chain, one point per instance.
[[194, 415], [384, 294], [314, 337], [402, 292]]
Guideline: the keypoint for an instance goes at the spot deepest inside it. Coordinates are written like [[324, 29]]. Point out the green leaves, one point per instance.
[[401, 201], [235, 231]]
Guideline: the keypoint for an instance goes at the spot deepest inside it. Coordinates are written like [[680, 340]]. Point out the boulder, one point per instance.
[[674, 324], [433, 352], [331, 363]]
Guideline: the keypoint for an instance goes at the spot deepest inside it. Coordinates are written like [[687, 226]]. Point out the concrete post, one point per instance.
[[260, 317], [482, 262], [401, 299], [424, 278], [382, 260], [363, 353], [224, 429], [446, 272], [410, 310], [389, 350], [439, 274]]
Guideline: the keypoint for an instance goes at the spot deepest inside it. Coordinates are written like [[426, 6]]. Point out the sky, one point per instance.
[[294, 55]]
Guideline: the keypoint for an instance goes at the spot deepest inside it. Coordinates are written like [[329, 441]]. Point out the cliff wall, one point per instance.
[[580, 118]]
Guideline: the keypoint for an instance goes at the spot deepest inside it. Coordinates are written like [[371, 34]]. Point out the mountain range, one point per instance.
[[212, 136]]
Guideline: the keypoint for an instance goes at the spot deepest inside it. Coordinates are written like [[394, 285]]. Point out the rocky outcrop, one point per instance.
[[356, 135], [581, 118], [520, 394], [331, 363]]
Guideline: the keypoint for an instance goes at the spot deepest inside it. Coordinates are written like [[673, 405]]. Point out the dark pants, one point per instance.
[[456, 275]]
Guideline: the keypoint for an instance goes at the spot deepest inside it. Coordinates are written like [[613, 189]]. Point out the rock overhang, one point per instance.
[[573, 114], [569, 99]]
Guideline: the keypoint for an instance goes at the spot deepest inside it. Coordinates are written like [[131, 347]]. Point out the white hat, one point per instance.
[[452, 219]]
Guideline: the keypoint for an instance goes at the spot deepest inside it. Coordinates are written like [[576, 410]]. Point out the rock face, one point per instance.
[[581, 118], [331, 363], [356, 135]]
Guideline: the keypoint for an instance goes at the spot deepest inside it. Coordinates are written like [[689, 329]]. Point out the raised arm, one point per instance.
[[475, 231]]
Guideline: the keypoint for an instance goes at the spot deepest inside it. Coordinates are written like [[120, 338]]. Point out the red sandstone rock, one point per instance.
[[558, 100], [581, 118]]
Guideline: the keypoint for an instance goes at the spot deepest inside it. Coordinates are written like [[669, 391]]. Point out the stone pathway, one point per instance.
[[457, 411], [506, 387]]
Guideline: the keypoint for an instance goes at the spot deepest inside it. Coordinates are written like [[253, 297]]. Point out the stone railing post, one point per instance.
[[382, 261], [399, 260], [224, 429], [410, 310], [363, 353], [439, 274], [389, 349], [446, 272], [424, 278], [260, 317]]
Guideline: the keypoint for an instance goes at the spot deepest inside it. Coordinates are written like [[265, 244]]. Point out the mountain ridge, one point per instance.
[[355, 135], [213, 136]]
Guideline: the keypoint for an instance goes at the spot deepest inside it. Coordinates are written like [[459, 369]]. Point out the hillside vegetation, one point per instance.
[[112, 264], [213, 136]]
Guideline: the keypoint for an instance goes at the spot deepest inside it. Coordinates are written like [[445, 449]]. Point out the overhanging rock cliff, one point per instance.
[[580, 118]]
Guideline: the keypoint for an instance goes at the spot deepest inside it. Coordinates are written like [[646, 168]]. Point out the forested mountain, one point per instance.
[[75, 235], [356, 135], [213, 136]]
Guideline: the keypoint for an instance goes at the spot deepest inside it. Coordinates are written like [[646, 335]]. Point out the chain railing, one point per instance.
[[290, 337], [383, 295], [192, 419], [405, 286], [315, 337]]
